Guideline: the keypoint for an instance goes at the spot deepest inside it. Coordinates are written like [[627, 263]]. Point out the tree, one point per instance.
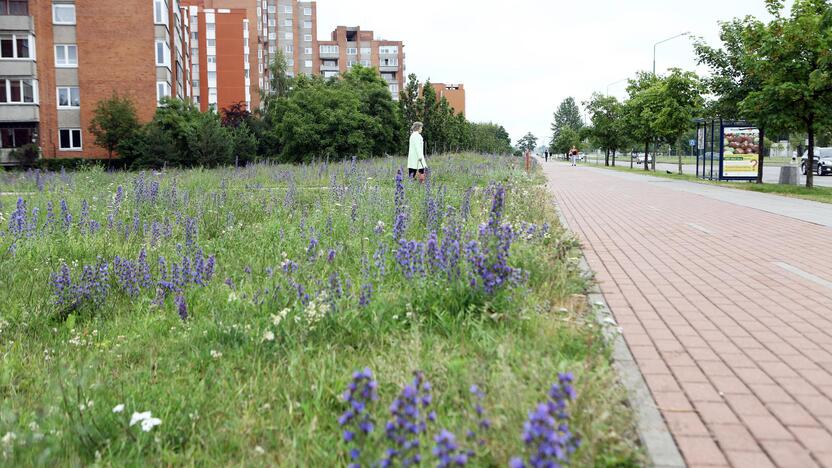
[[114, 121], [384, 123], [427, 106], [209, 143], [568, 115], [235, 115], [566, 139], [607, 132], [790, 59], [730, 81], [528, 142]]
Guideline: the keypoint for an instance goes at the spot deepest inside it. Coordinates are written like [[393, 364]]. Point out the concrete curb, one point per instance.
[[653, 432]]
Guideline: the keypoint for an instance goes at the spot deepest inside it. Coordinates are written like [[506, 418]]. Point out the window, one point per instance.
[[16, 46], [212, 77], [17, 91], [352, 51], [162, 90], [70, 139], [329, 49], [210, 26], [15, 137], [211, 42], [390, 62], [162, 54], [288, 36], [289, 49], [394, 88], [287, 23], [366, 51], [365, 63], [212, 59], [307, 64], [63, 13], [66, 55], [287, 9], [69, 97], [307, 38], [307, 51], [14, 7], [290, 62], [160, 12], [307, 11], [388, 50], [351, 63], [307, 25]]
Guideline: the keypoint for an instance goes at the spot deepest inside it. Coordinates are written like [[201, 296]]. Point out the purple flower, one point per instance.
[[409, 421], [357, 420], [182, 307], [546, 433]]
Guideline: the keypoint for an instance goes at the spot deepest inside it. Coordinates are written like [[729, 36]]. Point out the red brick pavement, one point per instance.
[[736, 351]]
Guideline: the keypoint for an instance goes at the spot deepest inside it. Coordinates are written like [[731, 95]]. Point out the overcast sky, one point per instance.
[[519, 59]]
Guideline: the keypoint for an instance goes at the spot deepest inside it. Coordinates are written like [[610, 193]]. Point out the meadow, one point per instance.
[[226, 318]]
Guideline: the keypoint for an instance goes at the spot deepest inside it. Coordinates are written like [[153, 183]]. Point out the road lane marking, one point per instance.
[[700, 228], [804, 274]]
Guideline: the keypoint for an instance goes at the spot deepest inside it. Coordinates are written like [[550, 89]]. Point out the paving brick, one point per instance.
[[792, 414], [788, 454], [815, 439], [715, 413], [687, 423], [749, 459], [734, 437], [700, 450]]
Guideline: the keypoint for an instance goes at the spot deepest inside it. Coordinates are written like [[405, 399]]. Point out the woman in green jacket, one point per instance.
[[416, 163]]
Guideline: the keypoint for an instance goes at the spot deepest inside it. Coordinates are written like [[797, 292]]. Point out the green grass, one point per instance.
[[818, 194], [225, 395]]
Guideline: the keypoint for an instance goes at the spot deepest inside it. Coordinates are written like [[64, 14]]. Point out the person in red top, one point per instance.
[[573, 155]]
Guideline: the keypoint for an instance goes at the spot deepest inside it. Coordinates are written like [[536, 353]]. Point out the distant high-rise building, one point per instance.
[[225, 41], [351, 46], [291, 27], [59, 59], [453, 93]]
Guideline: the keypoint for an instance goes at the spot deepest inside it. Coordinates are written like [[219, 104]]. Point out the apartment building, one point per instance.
[[351, 46], [453, 93], [289, 26], [224, 39], [59, 58]]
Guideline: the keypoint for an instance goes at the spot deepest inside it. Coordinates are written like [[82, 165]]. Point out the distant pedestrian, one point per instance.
[[546, 155], [416, 163], [573, 155]]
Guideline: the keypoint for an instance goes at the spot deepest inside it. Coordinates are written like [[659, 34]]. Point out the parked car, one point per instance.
[[640, 159], [822, 165]]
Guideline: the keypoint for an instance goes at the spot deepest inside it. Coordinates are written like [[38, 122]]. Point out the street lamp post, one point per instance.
[[613, 84], [662, 42]]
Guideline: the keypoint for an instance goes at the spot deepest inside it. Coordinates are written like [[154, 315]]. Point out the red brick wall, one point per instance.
[[230, 62]]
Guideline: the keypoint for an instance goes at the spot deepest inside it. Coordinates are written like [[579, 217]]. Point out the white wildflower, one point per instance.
[[9, 438], [268, 335], [150, 423], [138, 417], [276, 319], [118, 408], [216, 354], [232, 297], [259, 450]]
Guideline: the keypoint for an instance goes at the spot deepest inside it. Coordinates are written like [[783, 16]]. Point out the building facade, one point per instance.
[[291, 27], [453, 93], [352, 46], [224, 43], [59, 58]]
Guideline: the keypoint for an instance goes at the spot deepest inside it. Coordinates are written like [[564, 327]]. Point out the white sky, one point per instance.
[[518, 59]]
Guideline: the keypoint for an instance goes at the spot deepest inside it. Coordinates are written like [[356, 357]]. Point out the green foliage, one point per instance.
[[790, 59], [490, 138], [567, 138], [27, 155], [567, 117], [607, 130], [209, 143], [114, 121], [528, 142], [226, 394]]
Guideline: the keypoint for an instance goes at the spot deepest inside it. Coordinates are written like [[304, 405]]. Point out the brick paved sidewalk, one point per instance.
[[726, 309]]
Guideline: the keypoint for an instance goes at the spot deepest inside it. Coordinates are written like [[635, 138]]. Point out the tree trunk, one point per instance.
[[762, 156], [655, 155], [810, 161], [646, 156], [607, 158], [613, 158], [680, 162]]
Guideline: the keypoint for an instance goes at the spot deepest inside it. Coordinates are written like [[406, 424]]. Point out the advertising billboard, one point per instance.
[[741, 152]]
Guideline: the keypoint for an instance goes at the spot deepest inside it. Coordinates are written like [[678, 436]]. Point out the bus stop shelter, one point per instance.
[[728, 150]]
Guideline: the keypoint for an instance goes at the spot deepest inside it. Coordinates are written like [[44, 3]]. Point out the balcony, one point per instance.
[[16, 23], [330, 66], [19, 113]]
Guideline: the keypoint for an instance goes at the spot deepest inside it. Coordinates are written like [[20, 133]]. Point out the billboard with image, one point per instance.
[[740, 152]]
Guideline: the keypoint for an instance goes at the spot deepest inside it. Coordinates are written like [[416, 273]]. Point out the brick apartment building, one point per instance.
[[59, 58], [453, 93], [224, 43], [352, 46]]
